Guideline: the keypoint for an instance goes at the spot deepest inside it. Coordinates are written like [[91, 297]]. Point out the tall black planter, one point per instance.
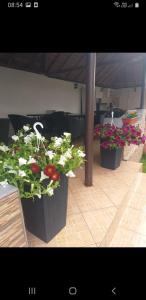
[[45, 217], [111, 159]]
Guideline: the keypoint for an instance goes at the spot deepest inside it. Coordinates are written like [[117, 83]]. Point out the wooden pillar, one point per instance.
[[143, 85], [90, 97]]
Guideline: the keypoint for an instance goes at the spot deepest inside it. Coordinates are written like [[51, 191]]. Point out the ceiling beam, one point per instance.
[[67, 70], [51, 63], [100, 64]]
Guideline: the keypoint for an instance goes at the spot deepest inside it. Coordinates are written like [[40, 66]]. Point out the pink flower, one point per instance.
[[104, 145], [143, 139], [109, 133]]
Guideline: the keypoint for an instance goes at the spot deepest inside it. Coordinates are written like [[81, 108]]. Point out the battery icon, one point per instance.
[[136, 4], [28, 4], [36, 4]]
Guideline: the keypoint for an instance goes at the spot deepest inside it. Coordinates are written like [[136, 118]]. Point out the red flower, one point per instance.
[[49, 170], [104, 144], [55, 176], [109, 133], [35, 168], [117, 138]]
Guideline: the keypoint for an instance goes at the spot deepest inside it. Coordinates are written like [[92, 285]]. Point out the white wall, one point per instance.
[[127, 98], [23, 92], [98, 94]]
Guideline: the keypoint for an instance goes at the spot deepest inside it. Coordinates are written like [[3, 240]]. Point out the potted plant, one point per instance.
[[40, 169], [130, 118], [113, 140]]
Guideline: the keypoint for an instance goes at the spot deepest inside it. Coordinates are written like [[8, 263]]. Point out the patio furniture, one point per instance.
[[4, 130], [18, 121], [55, 123], [12, 233], [118, 115], [76, 125]]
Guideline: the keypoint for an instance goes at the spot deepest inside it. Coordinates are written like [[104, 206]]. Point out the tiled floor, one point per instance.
[[110, 213]]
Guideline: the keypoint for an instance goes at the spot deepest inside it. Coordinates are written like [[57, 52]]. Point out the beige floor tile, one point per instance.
[[116, 195], [129, 167], [137, 200], [139, 186], [92, 201], [122, 177], [72, 207], [75, 239], [99, 221], [33, 241], [135, 220], [127, 238], [84, 189], [92, 246], [78, 187], [75, 234], [104, 182]]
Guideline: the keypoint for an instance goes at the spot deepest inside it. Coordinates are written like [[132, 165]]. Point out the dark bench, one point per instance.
[[54, 124], [4, 130]]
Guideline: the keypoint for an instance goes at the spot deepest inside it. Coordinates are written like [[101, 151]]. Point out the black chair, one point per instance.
[[76, 125], [55, 123], [4, 130], [18, 121]]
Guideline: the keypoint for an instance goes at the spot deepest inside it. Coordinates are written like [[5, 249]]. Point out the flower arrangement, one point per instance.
[[113, 137], [36, 168], [130, 117]]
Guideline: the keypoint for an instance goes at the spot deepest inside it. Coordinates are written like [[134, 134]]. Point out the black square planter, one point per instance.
[[46, 216], [111, 159]]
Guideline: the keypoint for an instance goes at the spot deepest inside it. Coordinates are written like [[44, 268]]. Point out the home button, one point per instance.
[[72, 290]]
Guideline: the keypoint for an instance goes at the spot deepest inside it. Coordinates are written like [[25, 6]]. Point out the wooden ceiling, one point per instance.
[[113, 70]]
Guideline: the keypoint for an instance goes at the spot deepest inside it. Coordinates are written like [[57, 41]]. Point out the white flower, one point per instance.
[[26, 128], [50, 154], [42, 138], [31, 160], [4, 148], [43, 176], [21, 134], [12, 171], [57, 141], [38, 195], [32, 134], [22, 161], [81, 153], [67, 134], [21, 173], [32, 186], [70, 174], [5, 166], [15, 137], [50, 191], [68, 154], [62, 160], [4, 183], [27, 139]]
